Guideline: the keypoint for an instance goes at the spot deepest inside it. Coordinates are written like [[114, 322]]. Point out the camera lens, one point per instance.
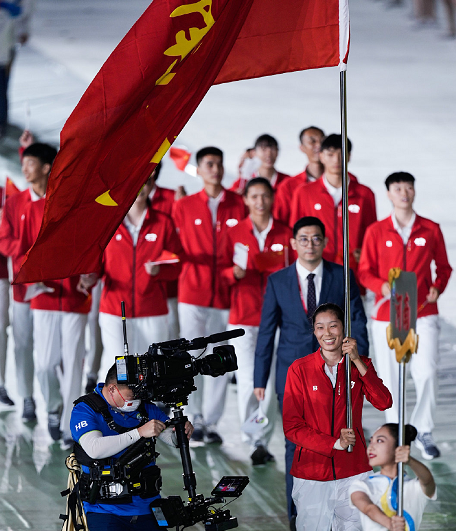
[[223, 360]]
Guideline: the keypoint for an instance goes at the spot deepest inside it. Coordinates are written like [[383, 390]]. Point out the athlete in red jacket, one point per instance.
[[59, 311], [162, 199], [252, 250], [323, 199], [4, 320], [132, 274], [314, 418], [412, 243], [201, 221], [37, 160], [266, 150], [311, 139]]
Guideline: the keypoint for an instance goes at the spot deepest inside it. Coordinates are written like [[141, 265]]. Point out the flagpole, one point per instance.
[[346, 255]]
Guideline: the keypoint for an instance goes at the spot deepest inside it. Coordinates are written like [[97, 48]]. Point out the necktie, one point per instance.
[[311, 296]]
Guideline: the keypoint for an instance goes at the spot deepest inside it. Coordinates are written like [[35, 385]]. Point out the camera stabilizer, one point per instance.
[[166, 373]]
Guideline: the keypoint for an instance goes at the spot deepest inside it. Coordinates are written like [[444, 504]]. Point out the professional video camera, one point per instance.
[[166, 373]]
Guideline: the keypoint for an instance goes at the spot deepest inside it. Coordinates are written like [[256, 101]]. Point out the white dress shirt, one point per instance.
[[303, 273], [335, 193], [261, 236], [213, 205], [404, 232]]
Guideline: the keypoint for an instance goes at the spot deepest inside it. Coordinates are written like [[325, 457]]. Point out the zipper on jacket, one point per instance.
[[299, 455], [61, 296], [133, 281], [214, 260], [336, 235]]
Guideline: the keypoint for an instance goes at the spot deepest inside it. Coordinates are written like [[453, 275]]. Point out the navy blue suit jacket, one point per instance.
[[282, 307]]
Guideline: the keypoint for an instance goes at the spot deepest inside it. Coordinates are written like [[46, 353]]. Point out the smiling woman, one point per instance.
[[376, 496], [314, 418]]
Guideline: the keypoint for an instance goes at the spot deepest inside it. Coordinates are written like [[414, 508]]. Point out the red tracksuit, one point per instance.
[[384, 248], [284, 195], [3, 259], [239, 185], [65, 297], [313, 199], [200, 281], [314, 413], [247, 293], [163, 200], [10, 230], [125, 276]]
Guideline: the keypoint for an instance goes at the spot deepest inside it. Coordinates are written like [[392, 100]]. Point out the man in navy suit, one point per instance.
[[292, 295]]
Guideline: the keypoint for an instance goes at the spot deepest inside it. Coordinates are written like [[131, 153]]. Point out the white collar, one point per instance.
[[408, 226], [304, 273]]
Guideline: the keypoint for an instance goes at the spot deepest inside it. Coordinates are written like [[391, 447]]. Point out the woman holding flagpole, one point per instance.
[[314, 418]]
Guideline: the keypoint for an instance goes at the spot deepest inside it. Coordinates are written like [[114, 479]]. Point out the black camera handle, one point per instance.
[[178, 421]]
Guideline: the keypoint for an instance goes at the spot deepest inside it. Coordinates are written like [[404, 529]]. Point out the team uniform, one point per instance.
[[10, 230], [203, 298], [273, 247], [239, 184], [162, 199], [382, 491], [314, 412], [85, 420], [59, 321], [4, 305], [126, 279], [384, 247], [284, 195], [323, 201]]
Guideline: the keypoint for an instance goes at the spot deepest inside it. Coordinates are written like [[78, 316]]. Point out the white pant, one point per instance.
[[141, 332], [247, 402], [93, 358], [422, 367], [4, 322], [173, 319], [23, 347], [324, 505], [209, 398], [59, 348]]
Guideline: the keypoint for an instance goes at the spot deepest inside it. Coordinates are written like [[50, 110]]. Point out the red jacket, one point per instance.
[[314, 413], [200, 281], [163, 200], [239, 184], [3, 259], [10, 230], [65, 297], [126, 278], [384, 248], [247, 293], [314, 200], [284, 195]]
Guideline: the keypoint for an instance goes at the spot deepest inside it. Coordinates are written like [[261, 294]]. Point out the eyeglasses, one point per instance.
[[304, 242], [124, 399]]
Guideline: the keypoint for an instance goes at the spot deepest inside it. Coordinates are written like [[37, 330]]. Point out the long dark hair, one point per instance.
[[410, 432]]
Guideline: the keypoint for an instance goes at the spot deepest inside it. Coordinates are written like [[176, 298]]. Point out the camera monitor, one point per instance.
[[230, 486]]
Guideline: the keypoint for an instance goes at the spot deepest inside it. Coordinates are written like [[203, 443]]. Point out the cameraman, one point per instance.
[[99, 445]]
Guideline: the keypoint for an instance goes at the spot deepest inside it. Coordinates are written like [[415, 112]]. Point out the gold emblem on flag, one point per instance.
[[184, 46]]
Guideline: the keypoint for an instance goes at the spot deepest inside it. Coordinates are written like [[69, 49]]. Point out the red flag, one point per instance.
[[10, 188], [144, 95], [180, 157]]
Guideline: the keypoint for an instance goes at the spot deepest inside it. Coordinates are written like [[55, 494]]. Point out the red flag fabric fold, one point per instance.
[[144, 95]]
